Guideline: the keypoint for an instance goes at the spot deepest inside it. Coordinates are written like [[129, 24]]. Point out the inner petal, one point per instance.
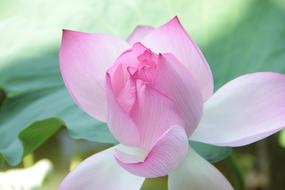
[[126, 62], [138, 63], [127, 96], [147, 68], [153, 113]]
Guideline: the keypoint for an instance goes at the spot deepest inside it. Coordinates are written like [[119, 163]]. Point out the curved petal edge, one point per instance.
[[163, 158], [245, 110], [84, 59]]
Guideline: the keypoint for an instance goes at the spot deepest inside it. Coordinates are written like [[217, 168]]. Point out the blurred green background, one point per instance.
[[39, 120]]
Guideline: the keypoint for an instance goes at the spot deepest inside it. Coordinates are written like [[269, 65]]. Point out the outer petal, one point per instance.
[[172, 38], [163, 158], [195, 173], [84, 59], [101, 171], [139, 33], [244, 110], [176, 82]]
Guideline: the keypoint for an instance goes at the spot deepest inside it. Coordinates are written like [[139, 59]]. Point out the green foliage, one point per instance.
[[237, 37], [2, 96], [210, 152], [281, 138], [254, 44], [38, 132], [236, 170], [36, 96]]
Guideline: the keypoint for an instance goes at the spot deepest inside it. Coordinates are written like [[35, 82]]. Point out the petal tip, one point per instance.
[[174, 20]]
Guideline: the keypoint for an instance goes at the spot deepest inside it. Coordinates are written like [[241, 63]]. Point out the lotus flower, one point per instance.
[[155, 92]]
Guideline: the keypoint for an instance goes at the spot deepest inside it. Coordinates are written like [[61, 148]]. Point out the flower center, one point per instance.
[[146, 69], [139, 67]]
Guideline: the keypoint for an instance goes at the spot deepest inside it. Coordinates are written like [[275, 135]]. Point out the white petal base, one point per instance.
[[101, 172], [195, 173]]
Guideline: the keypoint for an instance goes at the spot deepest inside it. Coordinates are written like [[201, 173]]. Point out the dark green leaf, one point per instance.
[[210, 152], [26, 109], [2, 96], [38, 132]]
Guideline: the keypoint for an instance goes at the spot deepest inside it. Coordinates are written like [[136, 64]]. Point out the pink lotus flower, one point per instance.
[[155, 92]]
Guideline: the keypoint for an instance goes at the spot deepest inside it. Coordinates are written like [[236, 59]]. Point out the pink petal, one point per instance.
[[153, 114], [84, 59], [119, 71], [120, 124], [244, 110], [176, 82], [158, 93], [195, 173], [136, 111], [101, 171], [173, 38], [139, 33], [169, 150]]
